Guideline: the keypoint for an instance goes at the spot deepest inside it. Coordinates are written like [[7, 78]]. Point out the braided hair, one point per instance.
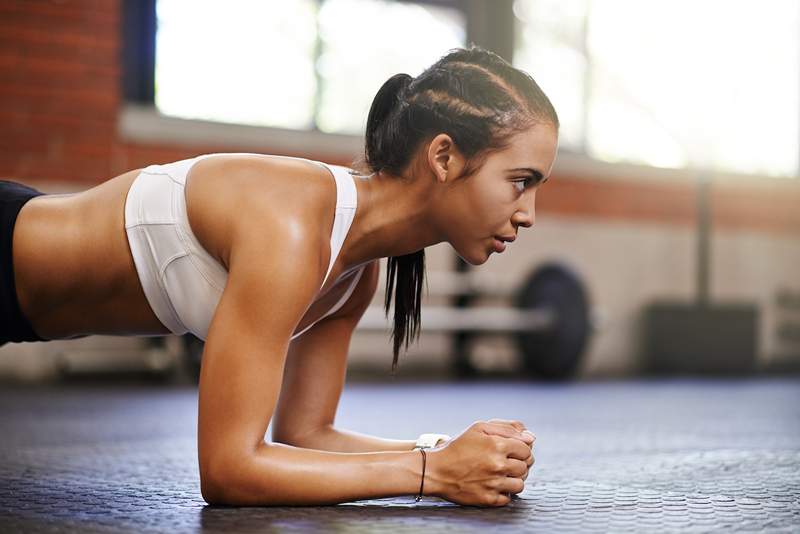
[[480, 101]]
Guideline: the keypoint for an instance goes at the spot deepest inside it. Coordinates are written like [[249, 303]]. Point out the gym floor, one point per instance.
[[648, 455]]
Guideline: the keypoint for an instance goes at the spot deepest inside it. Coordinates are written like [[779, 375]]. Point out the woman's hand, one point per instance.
[[519, 427], [482, 466]]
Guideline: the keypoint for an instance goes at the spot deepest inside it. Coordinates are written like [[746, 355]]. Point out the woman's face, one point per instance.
[[500, 197]]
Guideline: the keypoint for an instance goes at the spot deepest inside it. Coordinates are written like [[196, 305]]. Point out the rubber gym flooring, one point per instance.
[[642, 456]]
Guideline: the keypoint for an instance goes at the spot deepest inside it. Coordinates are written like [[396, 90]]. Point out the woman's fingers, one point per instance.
[[516, 468], [514, 448], [508, 431], [519, 450], [511, 485], [518, 425]]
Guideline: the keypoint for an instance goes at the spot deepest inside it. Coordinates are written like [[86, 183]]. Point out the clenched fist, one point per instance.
[[484, 465]]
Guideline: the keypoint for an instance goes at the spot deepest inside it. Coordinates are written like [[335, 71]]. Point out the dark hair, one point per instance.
[[480, 101]]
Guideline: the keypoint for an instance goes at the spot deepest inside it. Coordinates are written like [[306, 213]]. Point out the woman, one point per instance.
[[273, 263]]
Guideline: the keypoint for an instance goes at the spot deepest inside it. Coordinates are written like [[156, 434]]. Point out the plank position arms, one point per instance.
[[241, 380]]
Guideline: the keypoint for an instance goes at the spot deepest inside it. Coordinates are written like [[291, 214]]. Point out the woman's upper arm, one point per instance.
[[273, 277], [315, 371]]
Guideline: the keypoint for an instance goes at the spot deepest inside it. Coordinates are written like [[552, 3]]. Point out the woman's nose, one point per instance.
[[527, 213], [526, 219]]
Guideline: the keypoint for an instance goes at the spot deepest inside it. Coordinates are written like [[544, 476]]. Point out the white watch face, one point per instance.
[[430, 440]]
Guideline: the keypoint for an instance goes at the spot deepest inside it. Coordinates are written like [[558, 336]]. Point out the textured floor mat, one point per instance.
[[661, 456]]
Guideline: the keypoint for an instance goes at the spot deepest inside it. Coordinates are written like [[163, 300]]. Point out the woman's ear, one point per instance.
[[444, 159]]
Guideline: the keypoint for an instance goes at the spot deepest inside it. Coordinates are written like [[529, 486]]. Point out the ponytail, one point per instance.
[[385, 139], [386, 147], [409, 270]]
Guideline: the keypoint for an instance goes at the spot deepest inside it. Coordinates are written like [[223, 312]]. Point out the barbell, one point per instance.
[[550, 317]]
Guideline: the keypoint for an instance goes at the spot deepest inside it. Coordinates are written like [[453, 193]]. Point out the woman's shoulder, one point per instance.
[[245, 199], [266, 177]]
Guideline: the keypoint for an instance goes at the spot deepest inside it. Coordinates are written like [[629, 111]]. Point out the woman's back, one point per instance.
[[73, 249]]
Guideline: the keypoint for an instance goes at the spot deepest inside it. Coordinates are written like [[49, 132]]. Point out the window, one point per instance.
[[671, 83], [300, 64]]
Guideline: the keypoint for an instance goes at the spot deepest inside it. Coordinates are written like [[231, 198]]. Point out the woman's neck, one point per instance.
[[392, 219]]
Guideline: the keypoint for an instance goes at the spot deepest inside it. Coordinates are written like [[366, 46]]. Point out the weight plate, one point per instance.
[[554, 353]]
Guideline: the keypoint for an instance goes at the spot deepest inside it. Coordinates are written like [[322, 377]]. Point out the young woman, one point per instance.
[[272, 261]]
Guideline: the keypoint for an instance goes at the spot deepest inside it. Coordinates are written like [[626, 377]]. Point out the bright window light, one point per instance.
[[364, 42], [298, 64], [238, 61], [672, 83]]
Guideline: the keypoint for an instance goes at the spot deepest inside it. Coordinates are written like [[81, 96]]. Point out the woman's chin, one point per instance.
[[474, 259]]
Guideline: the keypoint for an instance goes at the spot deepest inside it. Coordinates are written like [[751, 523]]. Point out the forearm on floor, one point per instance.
[[279, 474], [339, 440]]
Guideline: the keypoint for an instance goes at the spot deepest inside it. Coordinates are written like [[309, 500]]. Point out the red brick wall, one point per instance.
[[60, 93]]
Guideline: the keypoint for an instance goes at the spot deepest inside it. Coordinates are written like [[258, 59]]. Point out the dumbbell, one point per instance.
[[549, 319]]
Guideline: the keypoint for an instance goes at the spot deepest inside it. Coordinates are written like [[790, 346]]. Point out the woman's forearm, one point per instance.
[[279, 474], [336, 440]]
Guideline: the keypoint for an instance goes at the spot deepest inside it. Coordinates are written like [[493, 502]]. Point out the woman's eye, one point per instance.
[[524, 184]]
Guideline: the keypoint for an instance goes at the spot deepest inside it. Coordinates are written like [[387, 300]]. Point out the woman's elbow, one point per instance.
[[218, 482], [212, 485], [234, 480]]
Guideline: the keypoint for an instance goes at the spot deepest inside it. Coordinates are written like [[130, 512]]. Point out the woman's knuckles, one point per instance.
[[495, 499], [498, 466], [517, 425], [499, 443]]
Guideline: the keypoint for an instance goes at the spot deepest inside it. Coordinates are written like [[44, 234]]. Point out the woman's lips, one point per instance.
[[499, 246]]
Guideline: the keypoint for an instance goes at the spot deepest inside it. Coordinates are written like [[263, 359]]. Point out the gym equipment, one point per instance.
[[701, 337], [554, 352], [550, 319], [489, 319]]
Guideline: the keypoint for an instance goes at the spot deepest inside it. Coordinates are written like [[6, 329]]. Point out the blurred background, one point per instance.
[[667, 240]]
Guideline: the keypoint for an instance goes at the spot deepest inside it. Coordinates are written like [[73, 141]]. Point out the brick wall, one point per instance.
[[60, 93]]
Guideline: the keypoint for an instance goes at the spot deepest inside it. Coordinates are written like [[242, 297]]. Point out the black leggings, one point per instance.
[[14, 327]]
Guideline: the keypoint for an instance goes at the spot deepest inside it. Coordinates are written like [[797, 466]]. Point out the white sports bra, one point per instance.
[[182, 282]]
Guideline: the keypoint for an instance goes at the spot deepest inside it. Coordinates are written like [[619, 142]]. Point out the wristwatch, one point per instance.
[[426, 441]]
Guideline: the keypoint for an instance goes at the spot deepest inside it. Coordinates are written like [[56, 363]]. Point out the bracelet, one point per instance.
[[423, 476]]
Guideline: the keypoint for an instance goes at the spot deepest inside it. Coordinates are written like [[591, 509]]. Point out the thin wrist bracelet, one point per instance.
[[422, 483]]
